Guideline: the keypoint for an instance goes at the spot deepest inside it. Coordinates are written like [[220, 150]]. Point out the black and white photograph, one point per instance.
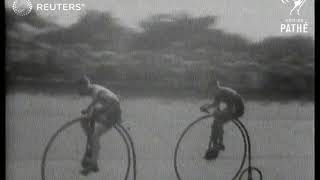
[[159, 89]]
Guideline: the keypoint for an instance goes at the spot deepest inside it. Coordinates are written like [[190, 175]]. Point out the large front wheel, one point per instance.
[[70, 124], [197, 145]]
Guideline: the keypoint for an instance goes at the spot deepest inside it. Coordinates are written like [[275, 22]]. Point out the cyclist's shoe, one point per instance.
[[86, 160], [211, 154], [85, 172], [89, 168], [84, 163], [222, 147]]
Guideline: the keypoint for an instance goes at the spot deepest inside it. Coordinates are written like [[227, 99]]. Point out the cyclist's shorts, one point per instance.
[[239, 109], [110, 116], [223, 116], [236, 111]]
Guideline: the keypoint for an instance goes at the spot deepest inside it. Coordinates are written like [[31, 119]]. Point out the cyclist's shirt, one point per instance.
[[232, 99], [103, 96]]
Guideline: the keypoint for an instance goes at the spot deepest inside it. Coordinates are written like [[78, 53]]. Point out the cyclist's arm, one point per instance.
[[90, 107], [102, 99], [93, 103], [215, 103]]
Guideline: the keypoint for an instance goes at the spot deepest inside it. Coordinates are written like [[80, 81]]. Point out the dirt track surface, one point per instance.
[[281, 135]]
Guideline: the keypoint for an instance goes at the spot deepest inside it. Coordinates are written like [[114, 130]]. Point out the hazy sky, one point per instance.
[[255, 19]]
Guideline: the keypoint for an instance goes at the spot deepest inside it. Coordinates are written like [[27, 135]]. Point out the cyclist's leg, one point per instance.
[[99, 131], [217, 130], [212, 136], [85, 126], [212, 152], [217, 136], [88, 130], [220, 138], [104, 123], [214, 133]]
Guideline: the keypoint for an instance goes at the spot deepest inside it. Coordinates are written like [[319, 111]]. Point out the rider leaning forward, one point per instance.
[[228, 105], [100, 116]]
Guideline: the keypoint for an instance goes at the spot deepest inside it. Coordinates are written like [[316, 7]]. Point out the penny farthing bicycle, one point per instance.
[[119, 129], [241, 171]]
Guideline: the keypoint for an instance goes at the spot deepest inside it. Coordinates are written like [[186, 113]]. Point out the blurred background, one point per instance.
[[176, 53], [172, 53]]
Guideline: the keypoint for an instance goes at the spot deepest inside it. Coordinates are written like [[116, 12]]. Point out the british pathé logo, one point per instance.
[[294, 24], [22, 7], [295, 5]]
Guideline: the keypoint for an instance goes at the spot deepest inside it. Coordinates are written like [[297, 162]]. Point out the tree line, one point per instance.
[[170, 51]]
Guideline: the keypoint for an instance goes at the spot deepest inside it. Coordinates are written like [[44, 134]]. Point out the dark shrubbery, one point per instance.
[[179, 51]]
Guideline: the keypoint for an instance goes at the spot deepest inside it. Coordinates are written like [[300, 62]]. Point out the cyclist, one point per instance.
[[227, 105], [100, 116]]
